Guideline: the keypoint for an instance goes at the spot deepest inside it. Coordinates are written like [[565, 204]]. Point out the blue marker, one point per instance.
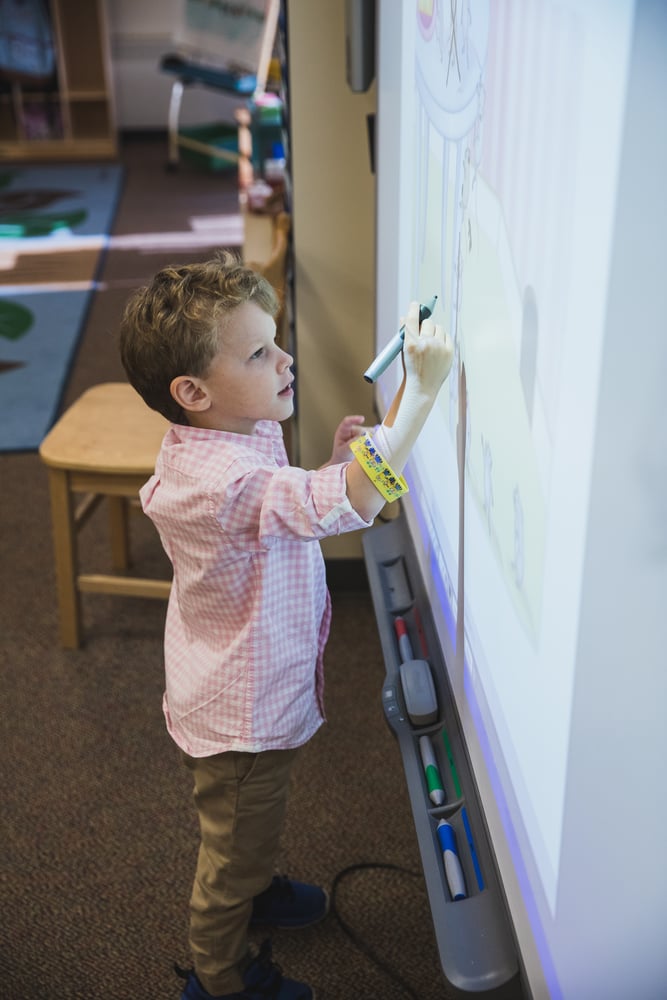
[[450, 855], [395, 345], [473, 852], [436, 792]]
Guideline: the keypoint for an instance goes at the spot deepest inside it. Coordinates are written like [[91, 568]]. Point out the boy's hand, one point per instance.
[[427, 354], [348, 429]]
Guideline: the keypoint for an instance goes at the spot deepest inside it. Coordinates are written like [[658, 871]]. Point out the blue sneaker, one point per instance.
[[262, 980], [290, 904]]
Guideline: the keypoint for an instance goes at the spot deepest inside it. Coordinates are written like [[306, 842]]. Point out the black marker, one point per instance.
[[395, 345]]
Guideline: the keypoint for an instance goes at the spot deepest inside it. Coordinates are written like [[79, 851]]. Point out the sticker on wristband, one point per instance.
[[388, 483]]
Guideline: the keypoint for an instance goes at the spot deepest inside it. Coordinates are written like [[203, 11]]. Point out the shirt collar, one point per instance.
[[263, 438]]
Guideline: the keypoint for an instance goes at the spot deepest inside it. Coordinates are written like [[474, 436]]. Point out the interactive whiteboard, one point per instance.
[[522, 164]]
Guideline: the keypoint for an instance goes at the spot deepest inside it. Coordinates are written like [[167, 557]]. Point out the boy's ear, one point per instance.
[[190, 394]]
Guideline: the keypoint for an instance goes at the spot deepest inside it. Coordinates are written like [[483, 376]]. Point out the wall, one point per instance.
[[334, 244]]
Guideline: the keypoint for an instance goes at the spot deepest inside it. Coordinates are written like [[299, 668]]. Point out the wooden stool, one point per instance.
[[104, 445]]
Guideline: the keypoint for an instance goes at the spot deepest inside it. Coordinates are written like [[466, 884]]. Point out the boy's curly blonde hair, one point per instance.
[[171, 326]]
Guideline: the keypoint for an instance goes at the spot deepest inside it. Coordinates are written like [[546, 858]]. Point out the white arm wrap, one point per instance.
[[395, 443]]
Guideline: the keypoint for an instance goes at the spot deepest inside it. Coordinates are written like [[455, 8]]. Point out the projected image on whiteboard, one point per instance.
[[499, 170]]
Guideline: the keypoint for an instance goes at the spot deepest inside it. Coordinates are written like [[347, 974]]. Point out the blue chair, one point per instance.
[[218, 52]]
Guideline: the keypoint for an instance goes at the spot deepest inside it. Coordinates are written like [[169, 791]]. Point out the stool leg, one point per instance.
[[119, 533], [172, 122], [246, 173], [66, 561]]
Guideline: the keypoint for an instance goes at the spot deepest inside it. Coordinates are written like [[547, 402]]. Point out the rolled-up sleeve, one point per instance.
[[289, 503]]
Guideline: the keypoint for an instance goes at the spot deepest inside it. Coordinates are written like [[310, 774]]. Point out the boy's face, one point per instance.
[[249, 378]]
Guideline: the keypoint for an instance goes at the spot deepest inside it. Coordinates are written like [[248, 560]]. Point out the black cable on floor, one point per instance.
[[358, 942]]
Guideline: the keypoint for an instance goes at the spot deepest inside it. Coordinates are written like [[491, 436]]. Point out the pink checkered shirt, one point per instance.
[[249, 612]]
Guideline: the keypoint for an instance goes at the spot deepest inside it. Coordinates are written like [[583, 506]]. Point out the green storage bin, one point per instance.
[[215, 137]]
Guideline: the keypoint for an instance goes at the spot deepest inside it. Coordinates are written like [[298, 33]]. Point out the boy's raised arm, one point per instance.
[[427, 358]]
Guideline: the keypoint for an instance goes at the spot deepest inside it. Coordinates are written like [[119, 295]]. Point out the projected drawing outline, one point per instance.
[[501, 467]]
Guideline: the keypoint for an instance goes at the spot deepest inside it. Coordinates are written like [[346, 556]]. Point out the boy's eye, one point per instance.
[[258, 354]]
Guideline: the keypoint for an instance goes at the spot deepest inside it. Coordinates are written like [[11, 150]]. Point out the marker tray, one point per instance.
[[473, 935]]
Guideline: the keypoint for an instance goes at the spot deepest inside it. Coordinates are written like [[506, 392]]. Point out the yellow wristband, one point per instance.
[[390, 485]]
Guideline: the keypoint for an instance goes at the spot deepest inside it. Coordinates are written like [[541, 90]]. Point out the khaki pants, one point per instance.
[[241, 799]]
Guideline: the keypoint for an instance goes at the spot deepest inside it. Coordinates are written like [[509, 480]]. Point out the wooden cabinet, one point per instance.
[[71, 115]]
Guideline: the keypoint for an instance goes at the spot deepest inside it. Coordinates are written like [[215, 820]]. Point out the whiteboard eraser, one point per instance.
[[398, 593], [421, 702]]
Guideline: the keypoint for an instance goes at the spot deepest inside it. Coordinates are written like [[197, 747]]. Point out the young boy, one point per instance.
[[249, 612]]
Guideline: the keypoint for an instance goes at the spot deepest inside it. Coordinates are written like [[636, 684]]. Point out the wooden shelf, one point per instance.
[[71, 117]]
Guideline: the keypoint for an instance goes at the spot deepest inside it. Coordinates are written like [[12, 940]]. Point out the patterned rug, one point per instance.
[[54, 228]]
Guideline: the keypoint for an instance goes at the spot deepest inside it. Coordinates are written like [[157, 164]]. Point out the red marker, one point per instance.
[[404, 645]]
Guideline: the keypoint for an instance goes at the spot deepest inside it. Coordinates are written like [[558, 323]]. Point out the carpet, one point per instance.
[[54, 228]]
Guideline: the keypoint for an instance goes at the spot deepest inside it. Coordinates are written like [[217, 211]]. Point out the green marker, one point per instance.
[[436, 792], [452, 765]]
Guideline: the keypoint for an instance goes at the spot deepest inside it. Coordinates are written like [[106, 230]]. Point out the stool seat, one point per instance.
[[109, 429], [104, 446], [190, 71]]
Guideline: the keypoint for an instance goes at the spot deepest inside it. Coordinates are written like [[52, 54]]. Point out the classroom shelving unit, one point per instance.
[[70, 115]]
